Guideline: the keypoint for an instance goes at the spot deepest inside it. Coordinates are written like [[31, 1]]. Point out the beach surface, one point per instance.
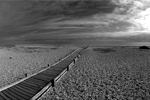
[[17, 63], [117, 73]]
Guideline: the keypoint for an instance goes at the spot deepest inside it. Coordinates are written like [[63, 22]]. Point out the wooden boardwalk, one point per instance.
[[34, 86]]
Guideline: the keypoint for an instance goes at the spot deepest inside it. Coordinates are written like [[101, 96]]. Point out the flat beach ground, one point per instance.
[[116, 73], [17, 62]]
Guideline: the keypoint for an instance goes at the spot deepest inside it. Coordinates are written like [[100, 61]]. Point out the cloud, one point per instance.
[[138, 14], [40, 20]]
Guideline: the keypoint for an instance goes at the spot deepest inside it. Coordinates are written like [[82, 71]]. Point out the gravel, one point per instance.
[[123, 74], [18, 63]]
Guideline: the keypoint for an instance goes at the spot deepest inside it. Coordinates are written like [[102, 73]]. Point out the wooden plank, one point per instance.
[[30, 86], [14, 94], [44, 78], [49, 74], [53, 71], [19, 93], [38, 82], [52, 74], [39, 85], [9, 95], [57, 68], [57, 71], [60, 76], [41, 75], [23, 91], [1, 98], [71, 64], [27, 89], [4, 96], [62, 73], [61, 66], [40, 93], [67, 61]]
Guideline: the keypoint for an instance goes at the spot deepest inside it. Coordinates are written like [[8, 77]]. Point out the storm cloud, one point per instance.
[[60, 21]]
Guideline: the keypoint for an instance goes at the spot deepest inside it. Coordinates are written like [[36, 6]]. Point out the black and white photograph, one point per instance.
[[74, 49]]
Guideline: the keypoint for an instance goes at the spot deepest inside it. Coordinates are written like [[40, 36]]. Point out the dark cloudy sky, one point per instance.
[[104, 22]]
